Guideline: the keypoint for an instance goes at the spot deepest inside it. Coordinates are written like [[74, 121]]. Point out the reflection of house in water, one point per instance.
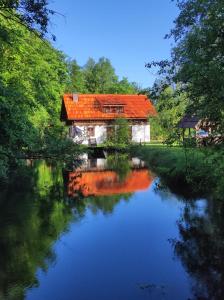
[[94, 178]]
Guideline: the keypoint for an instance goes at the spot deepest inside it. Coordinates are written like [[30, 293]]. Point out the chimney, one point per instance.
[[75, 97]]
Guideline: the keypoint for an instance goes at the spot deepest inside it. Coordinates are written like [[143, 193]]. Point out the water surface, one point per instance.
[[108, 230]]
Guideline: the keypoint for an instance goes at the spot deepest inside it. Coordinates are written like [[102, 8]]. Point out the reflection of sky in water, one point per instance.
[[200, 207], [124, 255]]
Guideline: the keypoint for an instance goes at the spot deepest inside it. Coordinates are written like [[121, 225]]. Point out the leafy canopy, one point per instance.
[[197, 61], [32, 79], [170, 104], [34, 14], [97, 78]]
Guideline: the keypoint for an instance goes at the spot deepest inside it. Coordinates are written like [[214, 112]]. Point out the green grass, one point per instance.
[[190, 172]]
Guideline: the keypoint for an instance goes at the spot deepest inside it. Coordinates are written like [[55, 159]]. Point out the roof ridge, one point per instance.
[[103, 95]]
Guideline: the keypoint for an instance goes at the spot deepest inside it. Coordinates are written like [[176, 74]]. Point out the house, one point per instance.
[[91, 116]]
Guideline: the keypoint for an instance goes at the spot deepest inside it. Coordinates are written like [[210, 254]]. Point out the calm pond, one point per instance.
[[106, 229]]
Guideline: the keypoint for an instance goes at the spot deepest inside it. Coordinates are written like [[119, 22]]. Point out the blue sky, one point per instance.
[[128, 32]]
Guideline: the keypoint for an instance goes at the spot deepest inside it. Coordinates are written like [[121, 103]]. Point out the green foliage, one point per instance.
[[97, 78], [191, 173], [197, 58], [122, 131], [33, 14], [32, 79], [76, 81], [120, 134], [170, 104], [123, 87]]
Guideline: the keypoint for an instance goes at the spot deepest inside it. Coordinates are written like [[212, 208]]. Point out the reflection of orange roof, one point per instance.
[[104, 183], [90, 107]]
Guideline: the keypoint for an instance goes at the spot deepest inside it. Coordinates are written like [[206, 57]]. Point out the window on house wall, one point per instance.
[[113, 109], [120, 109], [106, 109], [91, 131]]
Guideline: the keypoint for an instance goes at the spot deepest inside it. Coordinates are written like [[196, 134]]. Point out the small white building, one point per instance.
[[91, 117]]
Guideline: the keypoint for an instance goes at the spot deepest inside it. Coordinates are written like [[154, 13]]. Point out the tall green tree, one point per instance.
[[171, 105], [124, 87], [198, 57], [99, 76], [32, 79], [76, 80]]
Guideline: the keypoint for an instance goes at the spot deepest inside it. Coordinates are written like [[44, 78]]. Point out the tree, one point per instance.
[[33, 14], [170, 104], [99, 76], [32, 81], [124, 87], [198, 58], [76, 80], [119, 135], [122, 131]]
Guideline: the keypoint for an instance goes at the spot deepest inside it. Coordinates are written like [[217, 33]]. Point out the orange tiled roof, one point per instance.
[[103, 183], [89, 107]]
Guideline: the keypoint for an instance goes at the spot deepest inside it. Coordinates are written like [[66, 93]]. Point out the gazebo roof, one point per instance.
[[188, 122]]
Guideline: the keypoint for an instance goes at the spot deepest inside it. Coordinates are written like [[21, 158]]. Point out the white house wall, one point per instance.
[[140, 133], [100, 134]]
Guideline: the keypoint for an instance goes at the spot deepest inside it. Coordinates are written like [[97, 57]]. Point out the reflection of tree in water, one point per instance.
[[201, 249], [34, 213], [120, 163], [105, 204], [33, 216]]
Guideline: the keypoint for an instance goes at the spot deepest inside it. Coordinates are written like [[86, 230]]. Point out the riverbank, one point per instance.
[[190, 172]]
